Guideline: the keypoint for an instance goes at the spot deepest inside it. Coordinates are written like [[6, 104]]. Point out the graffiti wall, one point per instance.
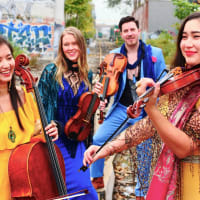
[[36, 37], [30, 24]]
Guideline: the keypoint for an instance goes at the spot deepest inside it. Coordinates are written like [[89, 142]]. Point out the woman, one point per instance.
[[61, 85], [179, 129], [18, 114]]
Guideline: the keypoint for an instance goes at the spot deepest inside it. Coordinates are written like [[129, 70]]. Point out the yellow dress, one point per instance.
[[190, 174], [8, 121]]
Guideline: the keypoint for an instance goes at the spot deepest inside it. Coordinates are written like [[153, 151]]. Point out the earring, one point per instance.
[[186, 66], [9, 86]]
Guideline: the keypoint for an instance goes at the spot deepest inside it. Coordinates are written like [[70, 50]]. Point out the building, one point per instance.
[[34, 25], [155, 15]]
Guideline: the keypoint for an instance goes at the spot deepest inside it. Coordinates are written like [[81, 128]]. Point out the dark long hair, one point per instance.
[[14, 96], [179, 59]]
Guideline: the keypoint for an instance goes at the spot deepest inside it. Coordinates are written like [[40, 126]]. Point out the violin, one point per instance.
[[113, 64], [78, 127], [173, 81], [180, 80], [36, 169]]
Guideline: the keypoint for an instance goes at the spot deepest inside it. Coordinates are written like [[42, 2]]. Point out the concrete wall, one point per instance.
[[141, 15], [33, 24], [155, 15], [161, 15]]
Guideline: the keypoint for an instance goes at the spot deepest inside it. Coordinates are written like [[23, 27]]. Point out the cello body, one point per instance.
[[30, 172]]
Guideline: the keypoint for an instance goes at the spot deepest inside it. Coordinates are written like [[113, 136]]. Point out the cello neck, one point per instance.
[[62, 190]]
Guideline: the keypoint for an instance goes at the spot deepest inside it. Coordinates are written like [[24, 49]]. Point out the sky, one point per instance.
[[110, 16]]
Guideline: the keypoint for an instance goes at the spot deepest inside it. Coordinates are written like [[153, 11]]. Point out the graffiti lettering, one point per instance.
[[35, 38]]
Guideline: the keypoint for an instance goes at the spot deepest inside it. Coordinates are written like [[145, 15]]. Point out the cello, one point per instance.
[[36, 169]]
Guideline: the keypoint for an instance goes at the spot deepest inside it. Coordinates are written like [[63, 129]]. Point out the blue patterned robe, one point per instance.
[[60, 105]]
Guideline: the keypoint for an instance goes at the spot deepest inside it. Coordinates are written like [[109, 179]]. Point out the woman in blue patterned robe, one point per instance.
[[61, 85]]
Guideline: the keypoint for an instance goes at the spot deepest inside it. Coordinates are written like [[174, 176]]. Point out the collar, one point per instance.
[[72, 66]]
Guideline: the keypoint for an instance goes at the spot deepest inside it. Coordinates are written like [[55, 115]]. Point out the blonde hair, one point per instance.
[[82, 60]]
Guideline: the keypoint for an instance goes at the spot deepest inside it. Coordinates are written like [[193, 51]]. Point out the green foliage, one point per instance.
[[184, 8], [17, 49], [167, 43], [79, 14], [119, 41]]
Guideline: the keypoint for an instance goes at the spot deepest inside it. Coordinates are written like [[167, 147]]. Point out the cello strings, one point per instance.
[[51, 148]]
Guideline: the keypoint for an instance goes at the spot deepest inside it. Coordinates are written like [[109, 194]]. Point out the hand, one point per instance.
[[52, 130], [152, 97], [97, 87], [142, 85], [103, 104], [89, 155]]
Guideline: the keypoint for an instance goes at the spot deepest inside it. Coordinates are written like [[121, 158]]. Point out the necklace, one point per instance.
[[11, 133]]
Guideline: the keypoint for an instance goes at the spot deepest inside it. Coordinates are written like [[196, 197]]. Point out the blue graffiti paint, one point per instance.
[[34, 38]]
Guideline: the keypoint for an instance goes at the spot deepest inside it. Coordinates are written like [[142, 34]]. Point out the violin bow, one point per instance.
[[72, 195]]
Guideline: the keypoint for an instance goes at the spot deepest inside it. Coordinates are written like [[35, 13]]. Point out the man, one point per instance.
[[143, 61]]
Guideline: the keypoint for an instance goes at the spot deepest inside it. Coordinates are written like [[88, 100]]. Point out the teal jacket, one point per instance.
[[49, 94]]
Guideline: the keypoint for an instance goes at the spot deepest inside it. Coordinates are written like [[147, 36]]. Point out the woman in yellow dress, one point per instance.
[[19, 117], [176, 174]]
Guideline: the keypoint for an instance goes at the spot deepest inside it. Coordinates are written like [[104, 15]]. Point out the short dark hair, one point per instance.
[[127, 19]]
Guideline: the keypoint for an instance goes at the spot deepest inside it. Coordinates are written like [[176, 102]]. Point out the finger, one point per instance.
[[55, 138], [157, 89], [52, 131], [54, 135], [138, 84], [50, 128], [86, 162], [51, 125], [143, 86], [87, 159]]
